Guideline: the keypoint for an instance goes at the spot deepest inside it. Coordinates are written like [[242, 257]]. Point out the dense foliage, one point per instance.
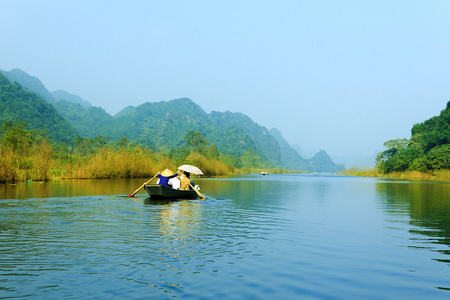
[[177, 129], [26, 154], [29, 83], [16, 104], [427, 150], [163, 125]]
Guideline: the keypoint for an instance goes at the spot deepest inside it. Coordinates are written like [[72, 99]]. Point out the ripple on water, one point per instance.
[[320, 240]]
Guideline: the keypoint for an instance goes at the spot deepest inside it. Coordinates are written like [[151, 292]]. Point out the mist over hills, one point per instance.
[[29, 83], [165, 124], [63, 95], [35, 85]]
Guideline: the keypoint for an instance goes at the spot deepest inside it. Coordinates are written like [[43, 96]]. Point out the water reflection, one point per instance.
[[427, 206], [69, 188], [254, 237]]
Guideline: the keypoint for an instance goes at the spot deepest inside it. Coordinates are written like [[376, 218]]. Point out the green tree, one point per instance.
[[392, 159], [439, 158], [179, 154], [17, 138], [213, 153], [232, 160], [196, 140], [123, 142], [86, 146], [250, 159]]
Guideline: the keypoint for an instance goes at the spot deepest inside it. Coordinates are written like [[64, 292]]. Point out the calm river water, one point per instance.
[[253, 237]]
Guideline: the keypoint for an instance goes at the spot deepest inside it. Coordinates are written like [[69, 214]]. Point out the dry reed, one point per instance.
[[9, 170], [210, 167], [109, 163]]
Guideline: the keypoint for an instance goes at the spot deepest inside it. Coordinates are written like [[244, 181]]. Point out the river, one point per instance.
[[253, 237]]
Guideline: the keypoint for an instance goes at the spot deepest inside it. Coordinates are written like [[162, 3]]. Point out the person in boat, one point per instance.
[[164, 177], [185, 181], [175, 183]]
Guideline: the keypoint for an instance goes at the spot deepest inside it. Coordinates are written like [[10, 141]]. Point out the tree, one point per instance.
[[213, 153], [250, 159], [179, 154], [232, 160], [17, 138], [123, 142], [392, 160], [196, 140], [439, 158]]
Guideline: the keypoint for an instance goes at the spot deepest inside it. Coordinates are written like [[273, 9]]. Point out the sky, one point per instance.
[[340, 76]]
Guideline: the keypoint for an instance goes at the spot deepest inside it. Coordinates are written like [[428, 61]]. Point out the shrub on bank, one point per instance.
[[9, 170]]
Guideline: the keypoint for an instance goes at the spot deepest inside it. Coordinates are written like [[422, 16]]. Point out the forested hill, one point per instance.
[[34, 84], [428, 149], [63, 95], [259, 135], [290, 158], [165, 124], [161, 126], [17, 104]]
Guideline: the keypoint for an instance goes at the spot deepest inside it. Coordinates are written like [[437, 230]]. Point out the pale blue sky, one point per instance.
[[344, 76]]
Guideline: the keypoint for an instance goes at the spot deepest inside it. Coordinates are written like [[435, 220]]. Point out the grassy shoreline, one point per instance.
[[432, 176], [41, 164]]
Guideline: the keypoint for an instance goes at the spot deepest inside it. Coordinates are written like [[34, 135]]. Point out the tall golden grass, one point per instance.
[[107, 162], [110, 163], [9, 170], [42, 161], [42, 165], [437, 175], [210, 167], [361, 171]]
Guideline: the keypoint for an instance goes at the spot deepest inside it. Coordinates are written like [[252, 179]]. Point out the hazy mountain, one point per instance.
[[290, 158], [165, 123], [63, 95], [89, 122], [158, 124], [321, 162], [34, 84], [234, 140], [306, 153], [362, 161], [29, 83], [261, 137], [127, 110], [17, 104]]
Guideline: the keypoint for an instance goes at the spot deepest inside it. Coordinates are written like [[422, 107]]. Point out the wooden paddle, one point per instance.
[[198, 193], [134, 193]]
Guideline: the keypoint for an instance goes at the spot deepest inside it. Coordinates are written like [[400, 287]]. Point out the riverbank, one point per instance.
[[43, 165], [439, 175]]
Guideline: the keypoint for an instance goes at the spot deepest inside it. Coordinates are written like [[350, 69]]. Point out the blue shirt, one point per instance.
[[163, 180]]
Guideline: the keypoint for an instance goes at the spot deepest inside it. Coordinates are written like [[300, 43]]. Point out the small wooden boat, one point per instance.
[[156, 191]]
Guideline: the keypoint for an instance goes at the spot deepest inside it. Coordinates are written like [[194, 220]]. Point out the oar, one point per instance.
[[198, 193], [134, 193]]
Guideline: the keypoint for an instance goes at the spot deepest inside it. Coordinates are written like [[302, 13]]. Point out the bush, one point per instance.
[[439, 158]]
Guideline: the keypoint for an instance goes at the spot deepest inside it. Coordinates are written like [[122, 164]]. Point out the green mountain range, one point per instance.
[[18, 104], [63, 95], [156, 125]]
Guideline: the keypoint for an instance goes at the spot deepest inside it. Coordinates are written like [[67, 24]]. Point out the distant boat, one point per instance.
[[263, 173]]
